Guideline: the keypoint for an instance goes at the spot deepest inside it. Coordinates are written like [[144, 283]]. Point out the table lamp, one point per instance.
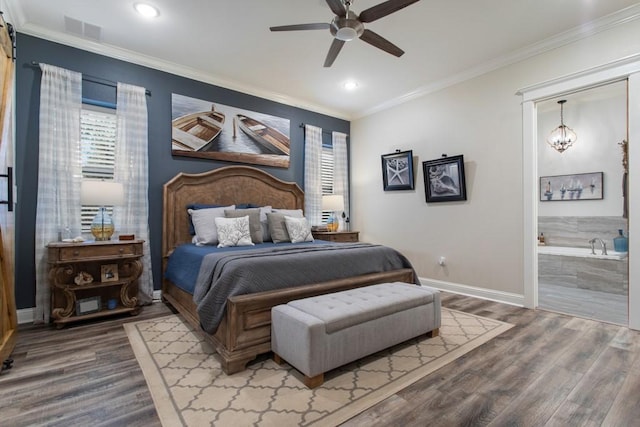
[[333, 203], [101, 193]]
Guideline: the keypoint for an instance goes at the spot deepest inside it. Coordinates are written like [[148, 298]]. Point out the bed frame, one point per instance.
[[245, 331]]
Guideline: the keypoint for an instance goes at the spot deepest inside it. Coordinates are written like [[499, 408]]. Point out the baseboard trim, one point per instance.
[[472, 291], [25, 315]]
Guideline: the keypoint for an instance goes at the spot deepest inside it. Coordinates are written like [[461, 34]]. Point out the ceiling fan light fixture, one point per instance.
[[346, 34], [146, 10]]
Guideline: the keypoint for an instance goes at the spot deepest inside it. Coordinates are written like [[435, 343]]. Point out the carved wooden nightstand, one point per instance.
[[114, 267], [336, 236]]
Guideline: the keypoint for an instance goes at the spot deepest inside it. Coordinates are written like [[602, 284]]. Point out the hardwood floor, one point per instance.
[[549, 370]]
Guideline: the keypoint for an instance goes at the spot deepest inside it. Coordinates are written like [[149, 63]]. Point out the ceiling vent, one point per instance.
[[82, 29]]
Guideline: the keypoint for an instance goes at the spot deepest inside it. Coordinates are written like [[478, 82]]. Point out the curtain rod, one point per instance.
[[323, 131], [93, 79]]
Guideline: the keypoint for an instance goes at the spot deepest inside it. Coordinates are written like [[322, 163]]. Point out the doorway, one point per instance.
[[626, 68], [582, 206]]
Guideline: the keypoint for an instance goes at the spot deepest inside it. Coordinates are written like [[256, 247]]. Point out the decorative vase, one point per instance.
[[621, 243], [333, 222], [102, 226]]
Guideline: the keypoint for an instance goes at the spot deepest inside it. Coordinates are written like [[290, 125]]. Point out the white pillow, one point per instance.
[[295, 213], [205, 225], [233, 231], [298, 229]]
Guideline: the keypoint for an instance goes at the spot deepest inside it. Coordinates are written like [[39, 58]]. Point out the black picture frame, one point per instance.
[[397, 171], [444, 179]]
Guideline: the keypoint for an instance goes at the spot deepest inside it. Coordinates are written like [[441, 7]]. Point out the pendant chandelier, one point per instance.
[[562, 137]]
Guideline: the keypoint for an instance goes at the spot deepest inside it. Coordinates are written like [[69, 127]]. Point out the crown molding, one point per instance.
[[605, 23], [171, 67], [15, 15]]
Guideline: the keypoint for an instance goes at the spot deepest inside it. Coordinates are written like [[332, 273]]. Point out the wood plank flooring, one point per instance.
[[549, 370]]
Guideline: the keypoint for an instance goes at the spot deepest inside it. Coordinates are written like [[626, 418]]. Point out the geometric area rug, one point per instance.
[[189, 388]]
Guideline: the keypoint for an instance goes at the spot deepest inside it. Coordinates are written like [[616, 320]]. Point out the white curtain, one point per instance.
[[59, 170], [341, 168], [131, 169], [313, 174]]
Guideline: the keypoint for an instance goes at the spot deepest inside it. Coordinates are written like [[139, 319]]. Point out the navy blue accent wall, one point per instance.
[[162, 165]]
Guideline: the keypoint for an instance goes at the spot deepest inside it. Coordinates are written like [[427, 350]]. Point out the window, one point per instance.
[[98, 143], [327, 175]]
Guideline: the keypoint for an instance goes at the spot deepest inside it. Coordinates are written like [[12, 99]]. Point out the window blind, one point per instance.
[[327, 175], [98, 128]]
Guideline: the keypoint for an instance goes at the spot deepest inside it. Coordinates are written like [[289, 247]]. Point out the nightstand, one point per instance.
[[114, 266], [336, 236]]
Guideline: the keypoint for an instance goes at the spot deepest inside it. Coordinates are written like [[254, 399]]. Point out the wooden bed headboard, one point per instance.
[[224, 186]]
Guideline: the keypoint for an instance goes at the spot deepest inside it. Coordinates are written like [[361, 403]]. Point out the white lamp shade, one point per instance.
[[101, 193], [332, 202]]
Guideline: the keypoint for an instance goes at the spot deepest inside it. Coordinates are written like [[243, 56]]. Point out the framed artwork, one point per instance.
[[582, 186], [88, 305], [397, 171], [444, 179], [109, 273], [210, 130]]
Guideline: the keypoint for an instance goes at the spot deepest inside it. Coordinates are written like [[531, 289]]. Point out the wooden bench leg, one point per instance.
[[277, 359], [434, 333], [313, 382]]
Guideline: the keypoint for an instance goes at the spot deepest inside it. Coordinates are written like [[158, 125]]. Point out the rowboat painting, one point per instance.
[[268, 137], [194, 131], [199, 130]]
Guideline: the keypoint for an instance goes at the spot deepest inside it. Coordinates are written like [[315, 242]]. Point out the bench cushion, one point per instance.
[[344, 309]]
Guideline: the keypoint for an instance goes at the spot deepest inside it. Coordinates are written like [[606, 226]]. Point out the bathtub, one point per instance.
[[580, 252]]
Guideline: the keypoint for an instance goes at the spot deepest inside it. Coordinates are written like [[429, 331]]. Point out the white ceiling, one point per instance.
[[228, 42]]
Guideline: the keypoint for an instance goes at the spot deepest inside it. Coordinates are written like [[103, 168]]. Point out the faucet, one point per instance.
[[602, 243]]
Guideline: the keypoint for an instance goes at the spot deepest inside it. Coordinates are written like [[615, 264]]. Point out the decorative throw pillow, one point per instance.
[[196, 206], [277, 228], [298, 229], [233, 231], [254, 221], [264, 224], [204, 224]]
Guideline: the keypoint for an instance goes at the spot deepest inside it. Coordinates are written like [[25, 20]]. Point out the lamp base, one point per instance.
[[102, 226], [333, 223]]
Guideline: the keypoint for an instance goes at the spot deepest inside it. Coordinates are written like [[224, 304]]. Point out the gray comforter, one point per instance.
[[243, 272]]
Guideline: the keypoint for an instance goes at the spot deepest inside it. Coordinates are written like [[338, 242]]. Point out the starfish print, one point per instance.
[[395, 167]]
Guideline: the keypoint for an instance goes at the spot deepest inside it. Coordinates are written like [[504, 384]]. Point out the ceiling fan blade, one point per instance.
[[298, 27], [337, 7], [383, 9], [380, 42], [334, 50]]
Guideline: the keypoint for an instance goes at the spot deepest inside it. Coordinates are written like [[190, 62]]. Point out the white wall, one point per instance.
[[482, 238], [599, 118]]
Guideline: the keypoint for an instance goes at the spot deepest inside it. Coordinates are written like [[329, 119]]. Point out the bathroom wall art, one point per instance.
[[582, 186]]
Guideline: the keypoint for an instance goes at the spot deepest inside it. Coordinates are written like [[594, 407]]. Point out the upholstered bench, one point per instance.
[[321, 333]]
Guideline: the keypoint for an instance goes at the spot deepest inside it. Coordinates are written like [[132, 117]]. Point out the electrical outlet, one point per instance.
[[442, 260]]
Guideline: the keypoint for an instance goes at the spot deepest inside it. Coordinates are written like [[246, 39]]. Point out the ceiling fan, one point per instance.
[[346, 26]]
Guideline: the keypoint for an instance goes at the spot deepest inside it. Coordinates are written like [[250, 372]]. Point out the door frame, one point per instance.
[[627, 68]]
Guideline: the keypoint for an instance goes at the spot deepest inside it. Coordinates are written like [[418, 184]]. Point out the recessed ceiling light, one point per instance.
[[351, 85], [146, 10]]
